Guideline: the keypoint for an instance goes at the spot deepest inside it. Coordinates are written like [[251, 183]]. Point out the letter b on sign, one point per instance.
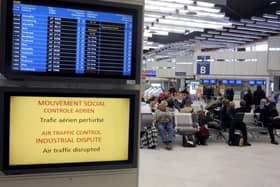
[[202, 70]]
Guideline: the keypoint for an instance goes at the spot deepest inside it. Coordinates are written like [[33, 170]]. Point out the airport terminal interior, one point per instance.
[[199, 59]]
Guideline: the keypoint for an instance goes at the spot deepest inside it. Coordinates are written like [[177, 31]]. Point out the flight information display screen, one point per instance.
[[56, 40]]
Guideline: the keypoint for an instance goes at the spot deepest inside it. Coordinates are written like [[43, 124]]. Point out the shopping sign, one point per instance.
[[203, 65]]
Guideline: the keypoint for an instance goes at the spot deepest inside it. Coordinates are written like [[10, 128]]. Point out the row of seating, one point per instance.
[[186, 123]]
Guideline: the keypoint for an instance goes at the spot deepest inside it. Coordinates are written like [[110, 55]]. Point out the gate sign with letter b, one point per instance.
[[203, 65]]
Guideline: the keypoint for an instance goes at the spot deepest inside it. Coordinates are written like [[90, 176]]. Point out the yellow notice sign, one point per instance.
[[48, 130]]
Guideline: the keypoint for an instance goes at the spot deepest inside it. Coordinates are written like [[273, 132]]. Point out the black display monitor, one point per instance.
[[260, 82], [239, 82], [251, 82], [225, 82], [57, 130], [231, 82], [70, 39], [213, 81]]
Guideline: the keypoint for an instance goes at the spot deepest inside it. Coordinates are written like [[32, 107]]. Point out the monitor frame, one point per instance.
[[6, 9], [5, 94]]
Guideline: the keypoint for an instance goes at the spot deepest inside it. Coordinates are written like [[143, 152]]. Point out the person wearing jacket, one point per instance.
[[248, 98], [164, 122], [258, 95], [269, 117], [229, 116]]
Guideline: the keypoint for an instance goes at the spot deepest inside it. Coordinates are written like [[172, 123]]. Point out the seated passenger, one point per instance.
[[163, 121], [243, 107], [153, 103], [170, 105], [269, 118], [188, 107], [236, 123]]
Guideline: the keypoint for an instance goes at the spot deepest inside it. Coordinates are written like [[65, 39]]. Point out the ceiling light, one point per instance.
[[248, 32], [221, 15], [257, 18], [229, 41], [148, 34], [213, 32], [255, 29], [263, 26], [234, 38], [177, 1], [273, 2], [273, 21], [168, 29], [159, 9], [206, 15], [170, 25], [205, 4], [197, 20], [240, 35], [163, 33], [246, 21], [164, 4], [152, 15], [217, 43], [270, 16], [190, 24], [205, 9], [268, 24], [237, 23], [149, 20]]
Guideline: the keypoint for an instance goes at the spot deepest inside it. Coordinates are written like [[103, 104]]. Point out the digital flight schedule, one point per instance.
[[71, 41]]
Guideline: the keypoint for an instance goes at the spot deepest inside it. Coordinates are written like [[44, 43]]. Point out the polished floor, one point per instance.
[[215, 165]]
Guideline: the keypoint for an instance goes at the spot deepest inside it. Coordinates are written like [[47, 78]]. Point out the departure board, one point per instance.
[[56, 40]]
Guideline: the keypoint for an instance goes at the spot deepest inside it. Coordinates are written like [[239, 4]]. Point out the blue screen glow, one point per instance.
[[53, 39], [231, 81], [239, 82], [206, 81], [251, 82], [260, 82], [224, 81], [213, 81]]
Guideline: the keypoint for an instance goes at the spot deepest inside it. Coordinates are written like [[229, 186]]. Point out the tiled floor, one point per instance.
[[215, 165]]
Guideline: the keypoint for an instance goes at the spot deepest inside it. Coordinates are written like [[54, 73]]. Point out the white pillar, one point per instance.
[[276, 83], [268, 93]]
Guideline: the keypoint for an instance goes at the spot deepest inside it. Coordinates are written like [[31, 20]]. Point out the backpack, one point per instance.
[[237, 140], [149, 138], [188, 141], [202, 135]]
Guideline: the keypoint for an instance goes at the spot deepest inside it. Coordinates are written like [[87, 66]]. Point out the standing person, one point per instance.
[[163, 121], [258, 95], [248, 98], [204, 93], [230, 94]]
